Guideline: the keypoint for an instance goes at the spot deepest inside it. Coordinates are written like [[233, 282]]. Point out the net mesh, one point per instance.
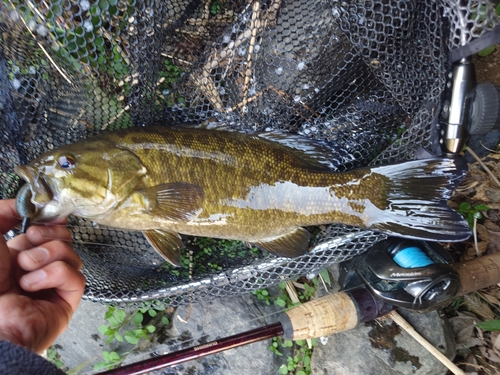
[[366, 76]]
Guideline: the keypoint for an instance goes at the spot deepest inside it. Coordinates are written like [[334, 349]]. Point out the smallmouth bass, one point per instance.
[[259, 188]]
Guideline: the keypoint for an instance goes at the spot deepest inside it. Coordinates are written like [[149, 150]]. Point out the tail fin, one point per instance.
[[416, 200]]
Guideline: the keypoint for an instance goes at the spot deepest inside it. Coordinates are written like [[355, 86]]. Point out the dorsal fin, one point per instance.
[[314, 153]]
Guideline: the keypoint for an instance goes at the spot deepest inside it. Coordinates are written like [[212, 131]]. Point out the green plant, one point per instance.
[[111, 360], [215, 7], [209, 255], [129, 327], [481, 14], [489, 325], [300, 361], [118, 321], [471, 213], [263, 295], [54, 357]]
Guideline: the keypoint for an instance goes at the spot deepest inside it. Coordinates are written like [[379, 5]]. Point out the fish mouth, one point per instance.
[[40, 189]]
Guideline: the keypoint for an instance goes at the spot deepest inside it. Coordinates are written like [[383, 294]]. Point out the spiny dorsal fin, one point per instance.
[[314, 153], [289, 245], [177, 201], [166, 243]]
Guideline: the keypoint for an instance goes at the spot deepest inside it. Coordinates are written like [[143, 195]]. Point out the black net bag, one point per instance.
[[366, 76]]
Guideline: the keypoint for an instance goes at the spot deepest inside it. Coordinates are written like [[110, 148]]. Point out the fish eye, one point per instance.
[[66, 162]]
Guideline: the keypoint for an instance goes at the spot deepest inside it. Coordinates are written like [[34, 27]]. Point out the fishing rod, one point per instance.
[[394, 273]]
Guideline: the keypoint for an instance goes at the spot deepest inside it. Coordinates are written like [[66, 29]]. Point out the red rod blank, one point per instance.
[[198, 351]]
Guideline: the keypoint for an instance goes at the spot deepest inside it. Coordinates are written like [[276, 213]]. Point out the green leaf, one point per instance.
[[326, 276], [487, 51], [101, 365], [464, 207], [300, 373], [280, 302], [131, 338], [300, 342], [104, 329], [114, 356], [118, 337], [120, 315], [481, 207], [113, 322], [165, 320], [490, 325], [283, 370], [152, 312], [307, 360], [287, 343], [151, 329], [138, 318]]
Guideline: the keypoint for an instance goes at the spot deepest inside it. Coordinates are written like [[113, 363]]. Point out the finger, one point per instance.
[[9, 217], [49, 252], [38, 235], [66, 281]]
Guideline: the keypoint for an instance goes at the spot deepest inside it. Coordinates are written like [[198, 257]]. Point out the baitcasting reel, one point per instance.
[[410, 274]]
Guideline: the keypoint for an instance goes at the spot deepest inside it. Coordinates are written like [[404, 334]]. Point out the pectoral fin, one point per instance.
[[166, 243], [177, 201], [289, 245]]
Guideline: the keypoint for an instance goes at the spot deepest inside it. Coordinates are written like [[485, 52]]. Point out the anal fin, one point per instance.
[[289, 245], [166, 243]]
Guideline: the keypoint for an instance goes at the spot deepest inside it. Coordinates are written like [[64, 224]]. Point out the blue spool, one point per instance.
[[412, 257]]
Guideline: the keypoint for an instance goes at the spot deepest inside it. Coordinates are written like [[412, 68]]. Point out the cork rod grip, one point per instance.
[[320, 317], [478, 273]]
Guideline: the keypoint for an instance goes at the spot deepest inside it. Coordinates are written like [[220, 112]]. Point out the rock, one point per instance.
[[202, 323], [82, 342], [382, 348], [372, 348]]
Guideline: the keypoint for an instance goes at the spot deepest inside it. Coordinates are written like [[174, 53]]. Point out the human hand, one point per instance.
[[40, 282]]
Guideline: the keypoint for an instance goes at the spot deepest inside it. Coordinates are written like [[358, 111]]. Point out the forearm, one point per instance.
[[15, 359]]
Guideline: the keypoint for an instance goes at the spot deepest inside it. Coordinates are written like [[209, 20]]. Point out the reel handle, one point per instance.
[[331, 314]]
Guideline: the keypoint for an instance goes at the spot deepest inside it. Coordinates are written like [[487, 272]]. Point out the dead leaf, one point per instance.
[[495, 340], [489, 297], [478, 306], [482, 232], [494, 156], [493, 194], [471, 250], [472, 364], [494, 236], [489, 354], [463, 326]]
